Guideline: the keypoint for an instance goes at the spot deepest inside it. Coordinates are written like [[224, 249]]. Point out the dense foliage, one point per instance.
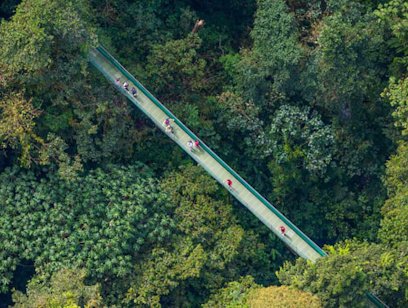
[[66, 288], [307, 100], [246, 293]]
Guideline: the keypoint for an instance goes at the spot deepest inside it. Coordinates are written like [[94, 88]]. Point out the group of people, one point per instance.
[[167, 125], [125, 86], [193, 145]]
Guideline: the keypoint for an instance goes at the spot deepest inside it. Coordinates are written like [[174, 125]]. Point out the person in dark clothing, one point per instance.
[[133, 91]]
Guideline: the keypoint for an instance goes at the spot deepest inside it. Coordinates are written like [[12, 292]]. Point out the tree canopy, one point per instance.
[[306, 100]]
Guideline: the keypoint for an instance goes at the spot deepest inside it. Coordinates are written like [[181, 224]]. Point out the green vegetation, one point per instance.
[[307, 100], [66, 288], [246, 293]]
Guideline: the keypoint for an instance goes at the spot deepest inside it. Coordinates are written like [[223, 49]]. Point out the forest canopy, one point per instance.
[[306, 100]]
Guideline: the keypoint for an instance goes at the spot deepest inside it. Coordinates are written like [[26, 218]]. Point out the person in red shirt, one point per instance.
[[229, 183], [282, 230], [197, 144]]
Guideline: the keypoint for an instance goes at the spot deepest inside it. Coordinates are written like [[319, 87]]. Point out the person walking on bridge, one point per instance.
[[190, 145], [229, 183], [283, 230], [197, 144], [167, 122], [169, 130], [133, 91]]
